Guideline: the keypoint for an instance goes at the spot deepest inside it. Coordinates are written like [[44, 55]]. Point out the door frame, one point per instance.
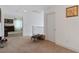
[[13, 18]]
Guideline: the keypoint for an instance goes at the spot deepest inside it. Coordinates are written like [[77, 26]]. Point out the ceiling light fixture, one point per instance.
[[25, 11]]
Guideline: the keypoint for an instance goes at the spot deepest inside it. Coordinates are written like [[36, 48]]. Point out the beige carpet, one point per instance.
[[26, 45]]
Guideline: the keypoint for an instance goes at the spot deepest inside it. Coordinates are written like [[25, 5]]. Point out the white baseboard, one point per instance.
[[60, 44]]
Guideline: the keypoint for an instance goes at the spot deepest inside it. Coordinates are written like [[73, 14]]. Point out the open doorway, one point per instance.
[[13, 27]]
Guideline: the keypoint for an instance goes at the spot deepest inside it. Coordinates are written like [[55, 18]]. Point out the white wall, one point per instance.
[[32, 19], [67, 29], [2, 23]]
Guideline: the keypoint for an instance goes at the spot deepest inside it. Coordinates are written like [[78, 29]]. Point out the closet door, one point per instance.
[[51, 27]]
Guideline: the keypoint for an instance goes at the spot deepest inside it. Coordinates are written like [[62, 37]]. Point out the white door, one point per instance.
[[51, 27]]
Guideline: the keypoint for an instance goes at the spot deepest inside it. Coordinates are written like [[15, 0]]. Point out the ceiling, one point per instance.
[[18, 10], [25, 8]]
